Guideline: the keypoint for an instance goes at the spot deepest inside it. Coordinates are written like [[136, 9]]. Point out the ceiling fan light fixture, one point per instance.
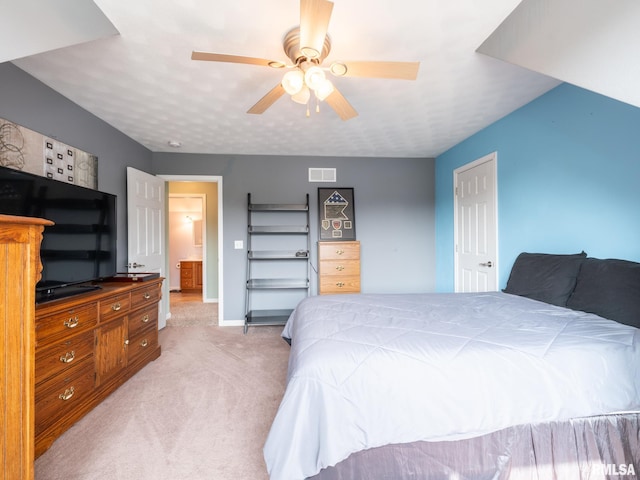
[[302, 96], [310, 52], [338, 69], [324, 89], [293, 81], [314, 77]]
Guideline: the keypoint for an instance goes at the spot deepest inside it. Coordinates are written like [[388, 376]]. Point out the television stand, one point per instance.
[[86, 346]]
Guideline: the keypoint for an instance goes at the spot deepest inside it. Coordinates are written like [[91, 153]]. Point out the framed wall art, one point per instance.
[[336, 214], [30, 151]]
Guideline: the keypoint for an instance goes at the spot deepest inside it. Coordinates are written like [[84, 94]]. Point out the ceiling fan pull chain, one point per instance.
[[317, 104], [308, 114]]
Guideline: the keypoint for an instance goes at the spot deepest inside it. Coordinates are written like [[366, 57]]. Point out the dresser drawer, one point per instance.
[[66, 322], [142, 319], [339, 250], [142, 341], [147, 295], [59, 397], [340, 267], [340, 283], [63, 355], [114, 306]]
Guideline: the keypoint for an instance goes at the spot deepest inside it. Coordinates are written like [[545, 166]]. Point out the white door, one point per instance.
[[476, 225], [145, 210]]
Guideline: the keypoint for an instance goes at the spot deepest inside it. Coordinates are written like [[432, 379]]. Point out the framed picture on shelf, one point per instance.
[[336, 214]]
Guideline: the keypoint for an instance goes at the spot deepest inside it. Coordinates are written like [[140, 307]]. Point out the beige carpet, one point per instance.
[[188, 314], [200, 411]]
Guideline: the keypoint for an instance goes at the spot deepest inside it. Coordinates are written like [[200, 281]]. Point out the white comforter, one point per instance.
[[371, 370]]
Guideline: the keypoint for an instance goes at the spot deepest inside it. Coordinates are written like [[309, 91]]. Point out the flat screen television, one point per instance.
[[81, 247]]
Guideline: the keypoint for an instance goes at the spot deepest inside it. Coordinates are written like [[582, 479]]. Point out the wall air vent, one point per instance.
[[322, 175]]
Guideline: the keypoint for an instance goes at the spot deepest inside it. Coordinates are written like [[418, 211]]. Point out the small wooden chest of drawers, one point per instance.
[[191, 275], [338, 267]]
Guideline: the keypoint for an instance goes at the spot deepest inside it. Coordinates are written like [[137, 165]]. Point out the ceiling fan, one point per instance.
[[307, 46]]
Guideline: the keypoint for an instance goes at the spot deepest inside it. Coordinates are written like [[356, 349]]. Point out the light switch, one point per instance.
[[238, 244]]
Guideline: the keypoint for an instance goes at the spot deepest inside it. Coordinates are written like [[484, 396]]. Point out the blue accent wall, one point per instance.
[[568, 180]]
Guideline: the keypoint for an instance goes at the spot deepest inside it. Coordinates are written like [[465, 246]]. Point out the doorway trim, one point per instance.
[[215, 179]]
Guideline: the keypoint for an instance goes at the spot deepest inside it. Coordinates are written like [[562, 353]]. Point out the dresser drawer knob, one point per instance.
[[145, 319], [68, 393], [68, 357], [144, 343], [340, 268], [339, 252], [146, 295], [116, 306], [72, 322], [340, 284]]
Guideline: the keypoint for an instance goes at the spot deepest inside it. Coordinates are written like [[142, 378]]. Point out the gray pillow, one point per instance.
[[546, 277], [609, 288]]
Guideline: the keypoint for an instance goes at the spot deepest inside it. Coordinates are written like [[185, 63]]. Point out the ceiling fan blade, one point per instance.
[[220, 57], [314, 23], [340, 104], [269, 99], [397, 70]]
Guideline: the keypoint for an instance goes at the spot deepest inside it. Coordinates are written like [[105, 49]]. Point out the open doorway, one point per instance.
[[187, 245], [203, 251]]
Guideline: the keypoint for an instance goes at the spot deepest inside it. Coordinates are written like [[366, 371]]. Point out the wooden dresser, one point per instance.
[[191, 275], [338, 267], [20, 269], [86, 347]]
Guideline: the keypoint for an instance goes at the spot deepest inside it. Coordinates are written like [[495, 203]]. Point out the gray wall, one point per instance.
[[28, 102], [394, 212], [394, 197]]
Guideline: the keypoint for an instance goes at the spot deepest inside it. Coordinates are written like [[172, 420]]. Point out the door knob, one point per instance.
[[487, 264]]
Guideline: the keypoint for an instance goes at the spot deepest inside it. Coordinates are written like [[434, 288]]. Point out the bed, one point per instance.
[[541, 380]]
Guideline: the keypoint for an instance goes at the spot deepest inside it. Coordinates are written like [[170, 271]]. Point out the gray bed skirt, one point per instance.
[[600, 447]]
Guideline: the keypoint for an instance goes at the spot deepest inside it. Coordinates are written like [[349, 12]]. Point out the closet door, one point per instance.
[[476, 250]]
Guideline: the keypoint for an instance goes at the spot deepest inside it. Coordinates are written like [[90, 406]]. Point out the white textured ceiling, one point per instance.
[[144, 83], [35, 26], [594, 44]]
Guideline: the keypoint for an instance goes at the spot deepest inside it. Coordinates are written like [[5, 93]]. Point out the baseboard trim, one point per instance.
[[231, 323]]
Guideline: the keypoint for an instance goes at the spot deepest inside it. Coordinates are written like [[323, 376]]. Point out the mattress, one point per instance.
[[373, 370]]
